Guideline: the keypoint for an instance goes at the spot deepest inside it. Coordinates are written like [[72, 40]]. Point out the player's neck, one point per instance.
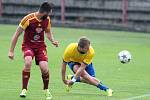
[[38, 16]]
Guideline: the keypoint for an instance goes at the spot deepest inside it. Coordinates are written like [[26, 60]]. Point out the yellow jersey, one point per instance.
[[71, 54]]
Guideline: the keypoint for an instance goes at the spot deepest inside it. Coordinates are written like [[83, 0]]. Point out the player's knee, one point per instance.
[[44, 70], [83, 75], [28, 62], [86, 77], [44, 67]]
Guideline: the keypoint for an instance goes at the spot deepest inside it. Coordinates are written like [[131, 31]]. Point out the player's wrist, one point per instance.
[[11, 50], [52, 40], [73, 79], [65, 82]]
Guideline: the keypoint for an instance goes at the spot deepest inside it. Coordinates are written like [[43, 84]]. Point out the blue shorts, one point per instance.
[[89, 68]]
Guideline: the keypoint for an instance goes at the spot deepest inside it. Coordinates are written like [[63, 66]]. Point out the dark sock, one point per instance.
[[45, 78], [25, 79], [102, 87]]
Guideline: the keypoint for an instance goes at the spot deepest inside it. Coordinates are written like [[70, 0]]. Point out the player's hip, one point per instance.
[[89, 68], [40, 54], [33, 45]]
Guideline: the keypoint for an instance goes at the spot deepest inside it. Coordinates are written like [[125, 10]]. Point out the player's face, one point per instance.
[[83, 50], [44, 15]]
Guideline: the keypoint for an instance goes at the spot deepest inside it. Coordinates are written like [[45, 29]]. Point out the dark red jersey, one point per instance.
[[34, 30]]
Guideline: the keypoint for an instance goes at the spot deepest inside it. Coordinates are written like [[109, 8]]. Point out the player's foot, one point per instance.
[[23, 93], [48, 94], [68, 88], [109, 92]]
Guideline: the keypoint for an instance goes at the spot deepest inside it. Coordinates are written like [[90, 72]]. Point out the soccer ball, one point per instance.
[[124, 56]]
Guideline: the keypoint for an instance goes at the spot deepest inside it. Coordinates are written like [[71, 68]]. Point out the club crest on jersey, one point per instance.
[[36, 37], [39, 24], [39, 30]]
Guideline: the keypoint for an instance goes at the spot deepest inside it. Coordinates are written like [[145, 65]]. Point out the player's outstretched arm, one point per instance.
[[14, 41], [80, 70], [63, 72], [78, 73], [50, 36]]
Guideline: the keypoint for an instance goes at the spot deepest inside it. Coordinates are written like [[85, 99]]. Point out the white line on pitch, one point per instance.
[[137, 97]]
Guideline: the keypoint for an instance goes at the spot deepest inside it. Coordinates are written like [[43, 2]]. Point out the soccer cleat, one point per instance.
[[68, 88], [48, 94], [23, 93], [110, 92]]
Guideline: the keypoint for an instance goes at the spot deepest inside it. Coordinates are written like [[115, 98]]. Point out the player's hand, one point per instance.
[[55, 43], [65, 82], [11, 55], [70, 83]]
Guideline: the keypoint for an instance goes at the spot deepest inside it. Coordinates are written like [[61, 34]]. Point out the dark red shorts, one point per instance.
[[40, 54]]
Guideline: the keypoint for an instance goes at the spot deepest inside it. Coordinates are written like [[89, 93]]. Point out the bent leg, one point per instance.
[[45, 73], [26, 71], [86, 78]]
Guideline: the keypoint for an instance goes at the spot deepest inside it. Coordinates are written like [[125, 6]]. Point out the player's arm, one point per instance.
[[51, 38], [80, 70], [86, 61], [66, 59], [49, 34], [22, 26], [63, 72], [14, 41], [78, 73]]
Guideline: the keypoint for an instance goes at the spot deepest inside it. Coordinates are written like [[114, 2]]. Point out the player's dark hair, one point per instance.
[[83, 41], [46, 7]]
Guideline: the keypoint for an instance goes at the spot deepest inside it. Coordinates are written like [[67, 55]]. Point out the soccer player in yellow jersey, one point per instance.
[[79, 57]]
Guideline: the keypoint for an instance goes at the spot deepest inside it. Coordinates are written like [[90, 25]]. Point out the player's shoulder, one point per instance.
[[29, 16], [91, 50], [48, 18], [71, 45]]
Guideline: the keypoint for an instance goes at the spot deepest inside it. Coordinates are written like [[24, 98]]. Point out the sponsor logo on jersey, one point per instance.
[[39, 30]]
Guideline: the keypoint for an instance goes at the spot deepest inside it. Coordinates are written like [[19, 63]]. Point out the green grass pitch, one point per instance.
[[127, 80]]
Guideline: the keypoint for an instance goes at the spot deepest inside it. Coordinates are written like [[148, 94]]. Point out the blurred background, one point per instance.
[[96, 19], [128, 15]]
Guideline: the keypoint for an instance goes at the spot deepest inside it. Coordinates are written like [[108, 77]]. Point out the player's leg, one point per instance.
[[26, 71], [45, 73], [94, 81], [91, 71], [42, 61], [88, 76], [81, 78], [74, 67], [28, 55], [45, 77]]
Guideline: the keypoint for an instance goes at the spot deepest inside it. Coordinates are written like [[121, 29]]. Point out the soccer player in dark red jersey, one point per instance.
[[35, 25]]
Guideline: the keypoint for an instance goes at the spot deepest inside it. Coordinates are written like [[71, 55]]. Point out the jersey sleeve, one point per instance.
[[66, 56], [49, 25], [88, 59], [24, 23]]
